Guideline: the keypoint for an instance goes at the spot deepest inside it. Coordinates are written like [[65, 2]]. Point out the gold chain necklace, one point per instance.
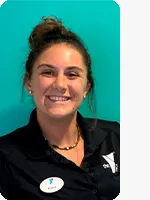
[[69, 147]]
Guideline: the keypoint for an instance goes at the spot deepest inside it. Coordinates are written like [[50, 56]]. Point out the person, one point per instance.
[[59, 153]]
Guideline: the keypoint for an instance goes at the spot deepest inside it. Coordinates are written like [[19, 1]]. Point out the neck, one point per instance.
[[61, 132]]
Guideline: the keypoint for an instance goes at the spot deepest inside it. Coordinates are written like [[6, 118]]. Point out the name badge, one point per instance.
[[52, 184]]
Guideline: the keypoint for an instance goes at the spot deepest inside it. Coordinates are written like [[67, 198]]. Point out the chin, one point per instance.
[[58, 114]]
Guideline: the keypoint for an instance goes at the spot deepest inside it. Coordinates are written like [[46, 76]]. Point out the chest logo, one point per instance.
[[52, 184], [111, 163]]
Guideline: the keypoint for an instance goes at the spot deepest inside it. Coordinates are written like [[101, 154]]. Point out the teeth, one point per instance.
[[58, 98]]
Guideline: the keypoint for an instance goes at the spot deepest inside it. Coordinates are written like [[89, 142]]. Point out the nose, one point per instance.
[[60, 83]]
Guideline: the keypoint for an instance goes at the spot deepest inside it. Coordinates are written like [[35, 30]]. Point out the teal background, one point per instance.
[[96, 22]]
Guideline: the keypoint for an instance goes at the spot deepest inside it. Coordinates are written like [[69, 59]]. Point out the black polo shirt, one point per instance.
[[26, 160]]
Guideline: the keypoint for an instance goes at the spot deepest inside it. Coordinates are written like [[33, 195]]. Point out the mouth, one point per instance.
[[58, 98]]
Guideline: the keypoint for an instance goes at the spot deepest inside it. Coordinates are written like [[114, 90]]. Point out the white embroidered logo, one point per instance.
[[110, 159]]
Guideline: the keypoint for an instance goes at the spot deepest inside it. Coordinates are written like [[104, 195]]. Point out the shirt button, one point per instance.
[[92, 175], [94, 191]]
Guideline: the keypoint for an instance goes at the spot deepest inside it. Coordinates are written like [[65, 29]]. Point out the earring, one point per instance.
[[84, 96], [30, 92]]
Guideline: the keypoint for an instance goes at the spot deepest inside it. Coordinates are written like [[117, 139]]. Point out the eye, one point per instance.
[[72, 75], [49, 73]]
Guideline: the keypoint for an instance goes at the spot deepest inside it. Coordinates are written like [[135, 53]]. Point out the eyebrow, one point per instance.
[[52, 66]]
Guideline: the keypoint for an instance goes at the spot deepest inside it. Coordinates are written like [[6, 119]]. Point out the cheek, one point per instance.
[[40, 85], [78, 88]]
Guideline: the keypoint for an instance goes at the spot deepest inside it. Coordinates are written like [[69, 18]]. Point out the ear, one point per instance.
[[27, 81], [88, 86]]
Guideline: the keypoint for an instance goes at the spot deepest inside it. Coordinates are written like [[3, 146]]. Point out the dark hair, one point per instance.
[[51, 31]]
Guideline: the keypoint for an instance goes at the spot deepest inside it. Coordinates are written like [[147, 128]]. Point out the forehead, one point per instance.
[[61, 55]]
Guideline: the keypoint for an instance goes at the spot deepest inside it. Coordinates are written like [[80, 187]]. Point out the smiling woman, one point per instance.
[[58, 141]]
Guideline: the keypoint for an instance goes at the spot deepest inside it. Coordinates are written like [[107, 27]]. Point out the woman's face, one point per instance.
[[59, 81]]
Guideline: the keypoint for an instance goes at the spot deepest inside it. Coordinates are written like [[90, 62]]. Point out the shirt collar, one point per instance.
[[38, 146]]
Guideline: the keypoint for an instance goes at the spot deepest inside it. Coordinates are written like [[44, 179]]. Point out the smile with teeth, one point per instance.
[[54, 98]]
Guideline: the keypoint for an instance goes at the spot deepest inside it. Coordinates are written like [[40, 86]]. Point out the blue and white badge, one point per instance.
[[52, 184]]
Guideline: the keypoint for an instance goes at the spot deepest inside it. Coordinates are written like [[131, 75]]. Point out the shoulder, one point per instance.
[[106, 133], [10, 145], [113, 126], [108, 126], [9, 141]]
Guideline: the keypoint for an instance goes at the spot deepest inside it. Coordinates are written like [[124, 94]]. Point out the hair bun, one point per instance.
[[41, 33]]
